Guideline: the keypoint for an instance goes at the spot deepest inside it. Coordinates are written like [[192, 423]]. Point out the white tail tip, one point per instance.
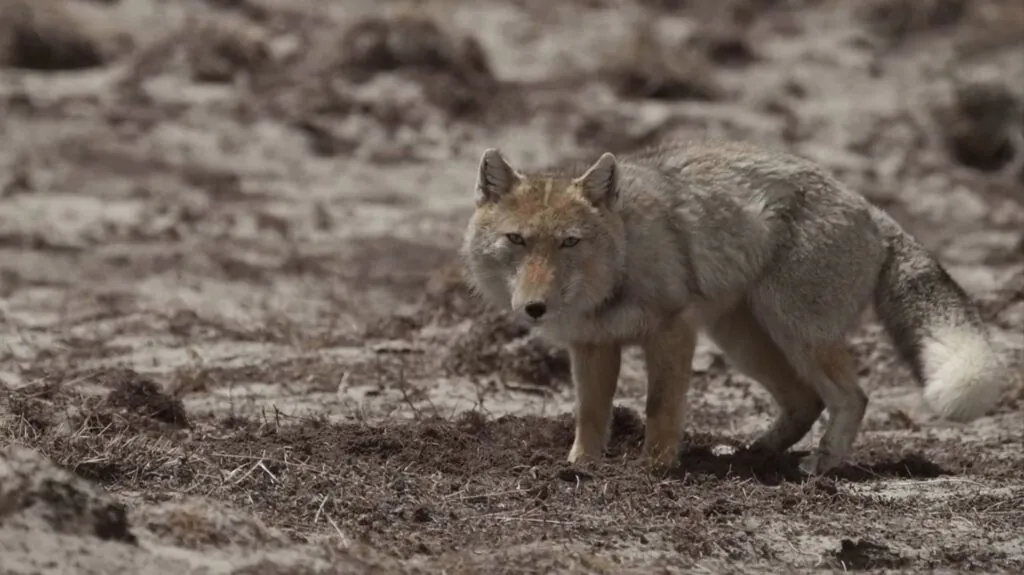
[[964, 375]]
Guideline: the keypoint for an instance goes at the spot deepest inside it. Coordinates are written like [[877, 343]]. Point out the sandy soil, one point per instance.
[[233, 337]]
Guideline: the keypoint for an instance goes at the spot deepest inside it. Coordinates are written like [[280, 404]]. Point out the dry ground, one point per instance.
[[232, 338]]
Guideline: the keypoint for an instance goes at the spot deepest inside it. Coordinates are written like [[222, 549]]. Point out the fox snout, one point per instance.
[[532, 288]]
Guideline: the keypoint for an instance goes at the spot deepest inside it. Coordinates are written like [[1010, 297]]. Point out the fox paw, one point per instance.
[[660, 460], [818, 463], [580, 455]]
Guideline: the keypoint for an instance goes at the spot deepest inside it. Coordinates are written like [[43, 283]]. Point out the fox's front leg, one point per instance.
[[595, 372], [668, 354]]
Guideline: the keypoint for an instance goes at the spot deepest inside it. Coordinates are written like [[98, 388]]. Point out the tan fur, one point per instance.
[[595, 368], [668, 355]]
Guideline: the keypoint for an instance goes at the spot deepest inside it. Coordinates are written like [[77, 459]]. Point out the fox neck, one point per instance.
[[613, 298]]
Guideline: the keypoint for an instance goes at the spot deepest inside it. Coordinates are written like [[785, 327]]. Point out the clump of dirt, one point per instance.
[[143, 396], [665, 5], [254, 10], [724, 45], [46, 35], [454, 71], [539, 363], [979, 123], [863, 555], [647, 67], [489, 348], [219, 49], [895, 20], [479, 350], [34, 493]]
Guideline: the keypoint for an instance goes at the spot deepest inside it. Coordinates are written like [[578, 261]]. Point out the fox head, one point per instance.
[[545, 246]]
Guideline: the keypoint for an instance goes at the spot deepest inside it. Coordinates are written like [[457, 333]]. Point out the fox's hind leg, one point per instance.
[[751, 352], [835, 369], [829, 367]]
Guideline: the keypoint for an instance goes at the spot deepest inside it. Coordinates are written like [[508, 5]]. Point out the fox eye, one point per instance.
[[515, 239], [570, 242]]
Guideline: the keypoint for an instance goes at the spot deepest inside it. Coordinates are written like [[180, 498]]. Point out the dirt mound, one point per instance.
[[133, 400], [34, 492], [495, 344], [219, 49], [47, 35], [413, 43], [895, 20], [980, 124], [864, 555], [401, 70], [143, 397], [650, 67]]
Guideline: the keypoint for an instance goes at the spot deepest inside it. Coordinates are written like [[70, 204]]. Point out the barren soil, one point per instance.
[[234, 337]]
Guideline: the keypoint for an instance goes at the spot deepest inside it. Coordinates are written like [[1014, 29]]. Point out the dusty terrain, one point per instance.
[[233, 338]]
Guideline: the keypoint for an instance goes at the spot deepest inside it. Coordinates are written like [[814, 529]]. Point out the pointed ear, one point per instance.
[[600, 183], [495, 177]]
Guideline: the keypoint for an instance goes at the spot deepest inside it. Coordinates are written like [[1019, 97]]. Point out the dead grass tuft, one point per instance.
[[143, 397]]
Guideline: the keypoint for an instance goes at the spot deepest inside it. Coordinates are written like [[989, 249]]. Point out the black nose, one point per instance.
[[536, 309]]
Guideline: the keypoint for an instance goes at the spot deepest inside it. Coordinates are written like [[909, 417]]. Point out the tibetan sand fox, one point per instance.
[[767, 253]]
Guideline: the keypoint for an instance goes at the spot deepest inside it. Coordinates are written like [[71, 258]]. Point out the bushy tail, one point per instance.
[[938, 330]]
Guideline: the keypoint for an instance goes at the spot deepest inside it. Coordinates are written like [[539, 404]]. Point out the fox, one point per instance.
[[763, 251]]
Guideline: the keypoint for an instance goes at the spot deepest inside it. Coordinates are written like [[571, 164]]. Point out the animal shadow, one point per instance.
[[774, 469]]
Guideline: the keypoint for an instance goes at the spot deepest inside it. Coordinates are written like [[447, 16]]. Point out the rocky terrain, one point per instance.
[[234, 336]]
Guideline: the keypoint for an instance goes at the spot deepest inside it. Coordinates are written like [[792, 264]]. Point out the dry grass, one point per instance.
[[433, 487]]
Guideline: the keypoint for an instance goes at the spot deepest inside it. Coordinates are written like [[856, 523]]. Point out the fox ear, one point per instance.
[[495, 177], [600, 183]]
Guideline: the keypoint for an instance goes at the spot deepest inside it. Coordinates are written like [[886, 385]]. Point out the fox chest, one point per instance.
[[624, 324]]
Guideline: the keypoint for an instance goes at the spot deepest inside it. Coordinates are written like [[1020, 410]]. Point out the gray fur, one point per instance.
[[915, 293], [764, 251]]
